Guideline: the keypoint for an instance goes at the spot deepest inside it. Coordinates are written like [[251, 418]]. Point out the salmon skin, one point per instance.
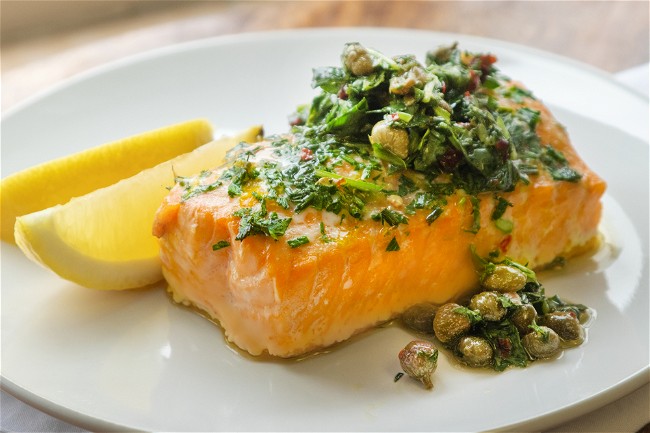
[[306, 239]]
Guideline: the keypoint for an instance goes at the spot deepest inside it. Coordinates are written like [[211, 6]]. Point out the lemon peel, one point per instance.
[[57, 181], [104, 239]]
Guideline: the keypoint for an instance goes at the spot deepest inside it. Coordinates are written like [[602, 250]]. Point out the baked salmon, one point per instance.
[[306, 239]]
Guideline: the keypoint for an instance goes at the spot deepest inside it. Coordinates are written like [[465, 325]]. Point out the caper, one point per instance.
[[488, 305], [395, 140], [419, 360], [523, 317], [420, 317], [504, 278], [356, 59], [449, 324], [474, 351], [542, 342], [402, 84], [566, 325]]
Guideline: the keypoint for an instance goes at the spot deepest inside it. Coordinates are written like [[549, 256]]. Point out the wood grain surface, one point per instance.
[[45, 42]]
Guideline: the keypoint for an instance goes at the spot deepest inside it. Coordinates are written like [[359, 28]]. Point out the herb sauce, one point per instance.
[[395, 133]]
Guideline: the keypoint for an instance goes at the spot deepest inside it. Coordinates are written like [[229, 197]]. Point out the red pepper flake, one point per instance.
[[474, 81], [394, 117], [487, 60], [343, 93], [296, 121], [505, 243], [306, 154], [340, 182], [503, 148], [466, 94], [444, 87]]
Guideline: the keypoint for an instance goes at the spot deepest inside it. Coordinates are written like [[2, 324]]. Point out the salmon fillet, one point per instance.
[[329, 275]]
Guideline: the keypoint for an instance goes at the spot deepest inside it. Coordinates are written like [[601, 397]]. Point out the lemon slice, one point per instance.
[[57, 181], [104, 239]]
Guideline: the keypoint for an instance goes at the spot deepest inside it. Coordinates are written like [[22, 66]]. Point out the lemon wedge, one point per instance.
[[57, 181], [104, 239]]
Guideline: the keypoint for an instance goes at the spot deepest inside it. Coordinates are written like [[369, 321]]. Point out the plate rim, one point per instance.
[[632, 382]]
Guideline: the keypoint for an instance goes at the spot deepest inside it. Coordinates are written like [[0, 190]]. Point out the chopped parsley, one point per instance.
[[323, 235], [254, 222], [476, 214], [500, 208], [451, 123], [392, 245], [506, 343], [296, 242], [219, 245], [390, 217]]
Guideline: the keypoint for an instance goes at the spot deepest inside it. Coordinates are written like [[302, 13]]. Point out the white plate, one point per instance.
[[133, 361]]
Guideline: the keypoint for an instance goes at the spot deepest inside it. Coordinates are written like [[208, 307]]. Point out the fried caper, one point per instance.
[[449, 324], [565, 324], [419, 360], [504, 278], [542, 342], [420, 317], [356, 59], [474, 351], [523, 317], [404, 83], [488, 305], [395, 140]]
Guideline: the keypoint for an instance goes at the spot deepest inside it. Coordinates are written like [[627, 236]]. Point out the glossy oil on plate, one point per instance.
[[132, 360]]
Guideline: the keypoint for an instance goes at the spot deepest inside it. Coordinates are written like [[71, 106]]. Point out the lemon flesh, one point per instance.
[[57, 181], [104, 239]]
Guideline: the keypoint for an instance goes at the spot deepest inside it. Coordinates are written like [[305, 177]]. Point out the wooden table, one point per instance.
[[66, 38]]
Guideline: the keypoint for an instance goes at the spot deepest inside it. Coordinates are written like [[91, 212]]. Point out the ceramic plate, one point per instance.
[[132, 360]]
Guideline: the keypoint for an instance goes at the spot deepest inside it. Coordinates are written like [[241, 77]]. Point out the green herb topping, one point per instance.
[[392, 128], [393, 245], [219, 245]]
